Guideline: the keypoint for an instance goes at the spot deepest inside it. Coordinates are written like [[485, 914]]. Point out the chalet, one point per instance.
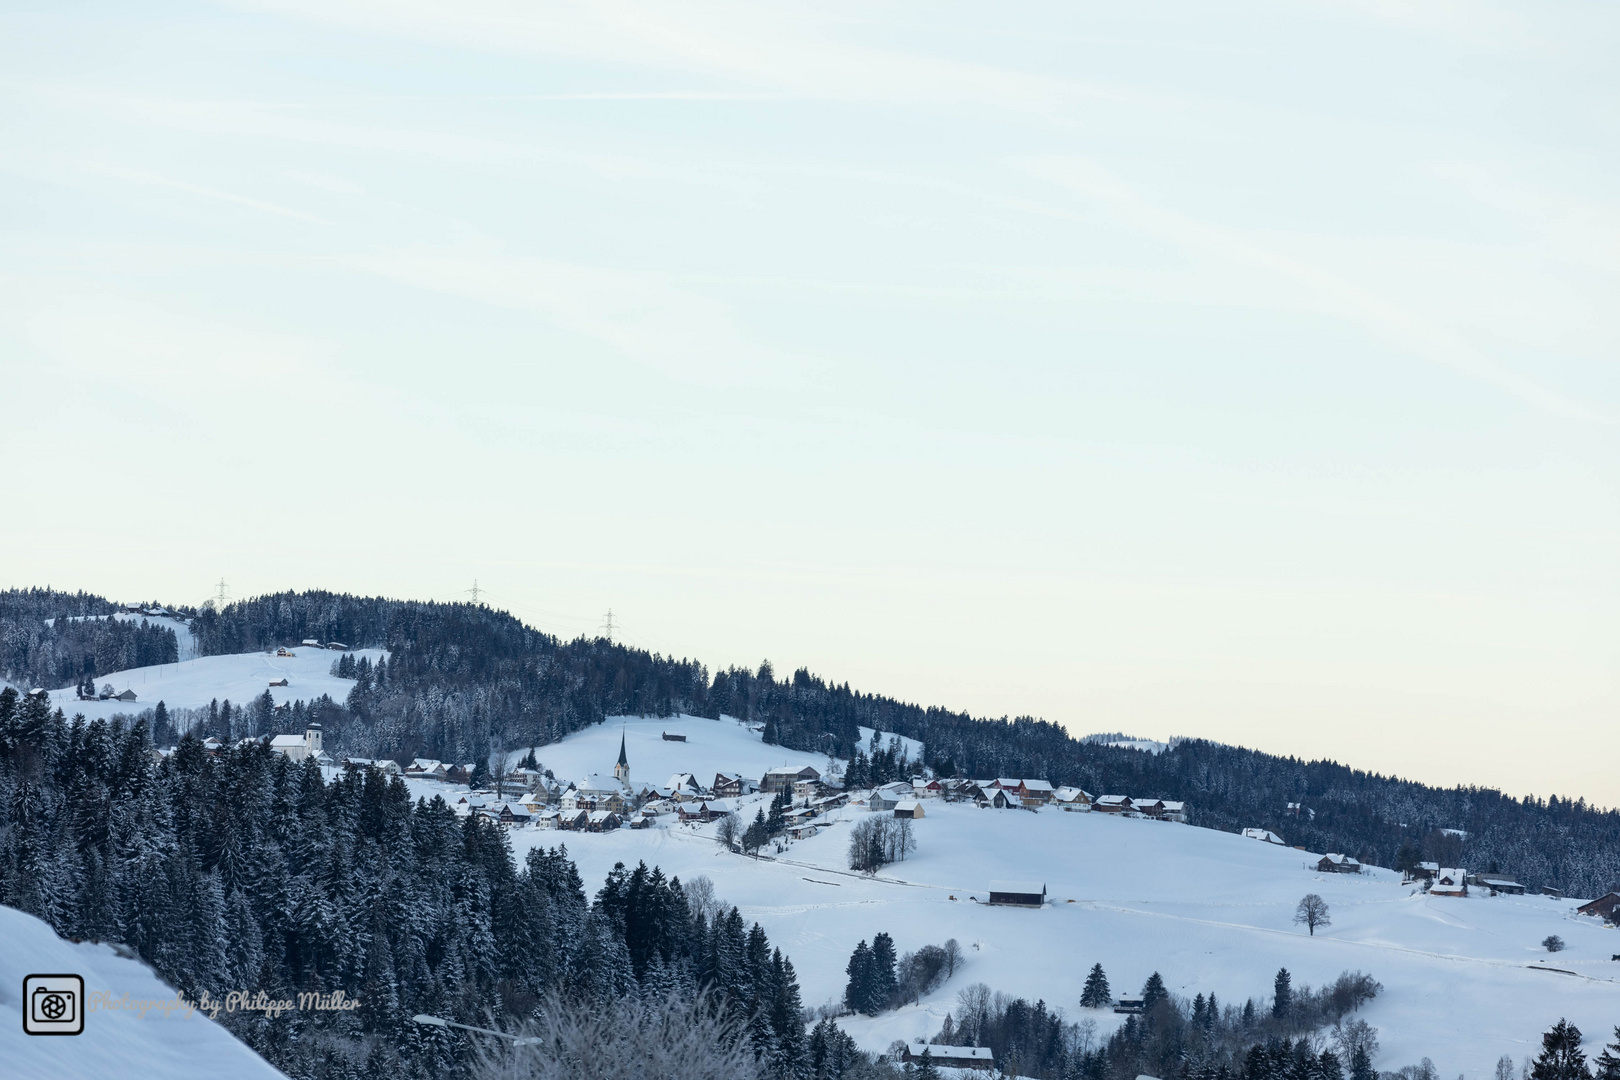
[[703, 810], [546, 819], [512, 814], [285, 652], [1265, 836], [310, 643], [1072, 798], [299, 747], [1131, 1005], [1337, 864], [806, 829], [638, 820], [602, 821], [728, 785], [1604, 907], [1112, 804], [386, 766], [425, 769], [1496, 884], [1425, 871], [572, 820], [784, 778], [884, 801], [1007, 783], [952, 1057], [1018, 893], [1173, 811], [279, 682], [337, 646], [908, 808], [1037, 792], [460, 774], [212, 746], [933, 789], [670, 736], [1450, 882], [998, 799], [1153, 808]]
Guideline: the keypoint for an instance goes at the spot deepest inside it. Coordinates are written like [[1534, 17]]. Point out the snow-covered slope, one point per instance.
[[184, 638], [241, 677], [117, 1042], [1465, 980]]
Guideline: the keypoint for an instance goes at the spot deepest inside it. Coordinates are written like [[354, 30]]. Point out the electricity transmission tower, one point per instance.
[[474, 591], [607, 626]]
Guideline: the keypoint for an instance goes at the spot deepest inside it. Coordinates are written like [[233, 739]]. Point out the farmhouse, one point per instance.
[[1338, 864], [729, 786], [784, 778], [952, 1057], [572, 820], [1130, 1005], [1072, 798], [1450, 882], [602, 821], [1112, 804], [1496, 883], [284, 652], [1018, 893], [1603, 907], [1037, 792]]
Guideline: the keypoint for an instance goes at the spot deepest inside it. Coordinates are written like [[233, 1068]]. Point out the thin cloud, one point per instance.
[[1273, 274]]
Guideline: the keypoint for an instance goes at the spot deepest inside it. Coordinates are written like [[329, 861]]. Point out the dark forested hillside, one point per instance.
[[462, 680], [53, 639]]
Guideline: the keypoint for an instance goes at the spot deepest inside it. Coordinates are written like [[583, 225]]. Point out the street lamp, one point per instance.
[[439, 1021]]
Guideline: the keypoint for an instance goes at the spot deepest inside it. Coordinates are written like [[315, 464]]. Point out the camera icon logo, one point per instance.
[[53, 1004]]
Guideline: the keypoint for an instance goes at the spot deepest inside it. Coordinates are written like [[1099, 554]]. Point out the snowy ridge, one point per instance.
[[1465, 979], [241, 677]]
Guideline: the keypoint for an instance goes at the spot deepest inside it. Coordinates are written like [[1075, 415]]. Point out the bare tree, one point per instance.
[[953, 956], [1356, 1035], [682, 1037], [1313, 912], [700, 897], [502, 760], [728, 830], [1504, 1068]]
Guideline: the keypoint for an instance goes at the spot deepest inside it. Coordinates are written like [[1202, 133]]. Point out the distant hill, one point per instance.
[[462, 680]]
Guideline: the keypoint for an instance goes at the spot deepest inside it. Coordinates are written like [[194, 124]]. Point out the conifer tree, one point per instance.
[[1282, 994], [1153, 992], [884, 982], [1561, 1057], [1606, 1066], [1096, 994]]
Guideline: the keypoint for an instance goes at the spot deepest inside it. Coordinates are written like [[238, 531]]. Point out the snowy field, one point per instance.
[[240, 677], [115, 1042], [1210, 911]]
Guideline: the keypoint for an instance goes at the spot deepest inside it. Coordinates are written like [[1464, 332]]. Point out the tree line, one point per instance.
[[462, 680]]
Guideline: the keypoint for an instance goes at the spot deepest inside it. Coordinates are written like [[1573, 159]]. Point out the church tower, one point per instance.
[[621, 771]]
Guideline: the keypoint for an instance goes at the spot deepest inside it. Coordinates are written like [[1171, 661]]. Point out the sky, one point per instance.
[[1243, 371]]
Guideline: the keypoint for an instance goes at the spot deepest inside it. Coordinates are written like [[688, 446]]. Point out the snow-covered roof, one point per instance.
[[907, 806], [1026, 888], [598, 816], [969, 1053], [1261, 834], [1037, 785], [1112, 800], [286, 740]]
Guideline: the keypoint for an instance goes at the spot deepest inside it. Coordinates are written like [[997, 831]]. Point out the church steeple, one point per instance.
[[621, 771]]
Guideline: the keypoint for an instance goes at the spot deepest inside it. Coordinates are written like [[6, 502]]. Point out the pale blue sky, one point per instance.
[[1241, 370]]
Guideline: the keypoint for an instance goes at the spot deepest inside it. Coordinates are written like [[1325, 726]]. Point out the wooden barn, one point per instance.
[[1018, 893]]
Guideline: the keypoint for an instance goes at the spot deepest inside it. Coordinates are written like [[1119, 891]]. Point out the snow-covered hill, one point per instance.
[[1465, 980], [240, 677], [117, 1041]]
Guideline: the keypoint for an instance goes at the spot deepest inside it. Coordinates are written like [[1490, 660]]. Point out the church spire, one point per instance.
[[622, 770]]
